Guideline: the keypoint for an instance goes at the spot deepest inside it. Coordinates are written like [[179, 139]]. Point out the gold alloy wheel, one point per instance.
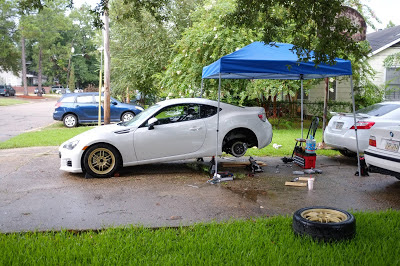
[[101, 161], [324, 215]]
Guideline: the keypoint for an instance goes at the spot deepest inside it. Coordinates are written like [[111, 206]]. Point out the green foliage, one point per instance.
[[257, 241], [51, 136], [9, 54], [317, 108], [313, 26]]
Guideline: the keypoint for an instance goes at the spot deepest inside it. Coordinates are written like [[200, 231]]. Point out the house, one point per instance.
[[383, 44]]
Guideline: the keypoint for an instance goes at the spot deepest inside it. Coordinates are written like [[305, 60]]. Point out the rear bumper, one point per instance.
[[347, 141], [382, 161]]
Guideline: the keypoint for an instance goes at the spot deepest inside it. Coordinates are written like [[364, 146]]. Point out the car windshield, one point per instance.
[[378, 109], [141, 117]]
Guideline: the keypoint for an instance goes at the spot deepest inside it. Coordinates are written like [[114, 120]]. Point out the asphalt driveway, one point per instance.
[[35, 195]]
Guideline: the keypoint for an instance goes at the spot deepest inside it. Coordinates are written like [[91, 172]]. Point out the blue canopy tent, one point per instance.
[[260, 61]]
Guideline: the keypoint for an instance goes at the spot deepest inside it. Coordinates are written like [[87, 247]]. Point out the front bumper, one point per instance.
[[70, 160]]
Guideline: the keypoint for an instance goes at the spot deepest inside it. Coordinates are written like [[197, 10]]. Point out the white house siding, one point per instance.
[[376, 62], [10, 79], [343, 91]]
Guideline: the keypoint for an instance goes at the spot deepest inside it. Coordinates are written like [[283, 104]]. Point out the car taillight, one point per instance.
[[363, 125], [58, 104], [263, 117], [372, 141]]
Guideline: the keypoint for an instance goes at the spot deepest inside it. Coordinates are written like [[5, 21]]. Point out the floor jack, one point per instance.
[[220, 177]]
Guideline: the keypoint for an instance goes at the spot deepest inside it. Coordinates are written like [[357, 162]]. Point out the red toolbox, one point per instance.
[[304, 160]]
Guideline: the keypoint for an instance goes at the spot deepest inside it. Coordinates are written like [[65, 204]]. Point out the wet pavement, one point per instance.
[[36, 195]]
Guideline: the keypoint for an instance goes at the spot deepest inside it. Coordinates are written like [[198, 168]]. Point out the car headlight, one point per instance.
[[140, 108], [71, 145]]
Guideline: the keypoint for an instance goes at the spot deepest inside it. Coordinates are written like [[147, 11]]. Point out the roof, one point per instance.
[[260, 61], [383, 39]]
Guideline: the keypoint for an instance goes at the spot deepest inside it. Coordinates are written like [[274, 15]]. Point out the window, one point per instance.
[[84, 99], [178, 113], [393, 84], [207, 111], [69, 99]]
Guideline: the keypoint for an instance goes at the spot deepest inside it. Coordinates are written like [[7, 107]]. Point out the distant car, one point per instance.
[[78, 90], [7, 90], [340, 133], [80, 108], [56, 89], [171, 130], [37, 90], [383, 154]]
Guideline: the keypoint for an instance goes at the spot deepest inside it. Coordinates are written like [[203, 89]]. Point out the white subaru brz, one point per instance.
[[170, 130]]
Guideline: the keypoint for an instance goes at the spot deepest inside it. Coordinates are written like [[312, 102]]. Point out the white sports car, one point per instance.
[[167, 131], [383, 154], [340, 133]]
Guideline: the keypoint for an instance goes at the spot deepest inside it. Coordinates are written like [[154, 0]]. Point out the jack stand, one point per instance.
[[254, 167], [211, 169]]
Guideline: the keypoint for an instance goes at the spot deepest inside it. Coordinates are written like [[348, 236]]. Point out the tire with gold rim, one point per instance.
[[101, 160], [324, 223]]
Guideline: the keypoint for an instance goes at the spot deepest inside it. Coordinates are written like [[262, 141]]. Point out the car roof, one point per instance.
[[195, 100]]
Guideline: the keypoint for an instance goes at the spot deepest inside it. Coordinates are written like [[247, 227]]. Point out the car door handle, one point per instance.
[[194, 128]]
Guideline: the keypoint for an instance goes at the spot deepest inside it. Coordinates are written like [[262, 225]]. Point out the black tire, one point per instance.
[[101, 160], [348, 153], [7, 94], [70, 120], [127, 116], [324, 223], [237, 148]]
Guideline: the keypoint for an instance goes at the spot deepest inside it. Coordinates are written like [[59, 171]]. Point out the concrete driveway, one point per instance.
[[17, 119], [35, 195]]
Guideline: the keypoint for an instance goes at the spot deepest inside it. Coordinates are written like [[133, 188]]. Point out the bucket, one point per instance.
[[310, 145]]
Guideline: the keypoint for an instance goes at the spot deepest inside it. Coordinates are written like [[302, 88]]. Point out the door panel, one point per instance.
[[167, 140]]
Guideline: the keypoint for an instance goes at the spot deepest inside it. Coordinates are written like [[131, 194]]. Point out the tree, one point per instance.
[[9, 54], [314, 25]]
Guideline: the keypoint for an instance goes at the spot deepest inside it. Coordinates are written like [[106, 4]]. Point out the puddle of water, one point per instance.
[[250, 194]]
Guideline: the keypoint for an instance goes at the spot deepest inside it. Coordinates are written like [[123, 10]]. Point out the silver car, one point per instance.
[[340, 133]]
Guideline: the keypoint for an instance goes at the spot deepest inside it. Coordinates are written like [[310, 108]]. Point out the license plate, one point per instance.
[[339, 125], [392, 145]]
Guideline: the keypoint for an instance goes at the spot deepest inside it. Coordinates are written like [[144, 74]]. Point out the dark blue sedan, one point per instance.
[[81, 108]]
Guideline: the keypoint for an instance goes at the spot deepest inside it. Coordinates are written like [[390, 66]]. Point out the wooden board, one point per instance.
[[240, 164], [296, 184]]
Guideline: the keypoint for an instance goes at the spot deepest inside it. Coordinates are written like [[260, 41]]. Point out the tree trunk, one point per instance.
[[40, 72], [24, 81], [106, 68]]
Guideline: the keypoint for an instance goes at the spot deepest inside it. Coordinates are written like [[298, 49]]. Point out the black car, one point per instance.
[[7, 90]]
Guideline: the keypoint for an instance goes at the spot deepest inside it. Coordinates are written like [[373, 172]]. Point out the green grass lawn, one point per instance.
[[261, 241], [56, 134], [5, 101], [52, 135]]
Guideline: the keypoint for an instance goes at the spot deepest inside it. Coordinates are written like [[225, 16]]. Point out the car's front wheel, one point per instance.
[[70, 120], [101, 160], [127, 116]]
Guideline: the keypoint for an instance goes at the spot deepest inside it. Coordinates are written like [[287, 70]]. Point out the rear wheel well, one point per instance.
[[244, 135]]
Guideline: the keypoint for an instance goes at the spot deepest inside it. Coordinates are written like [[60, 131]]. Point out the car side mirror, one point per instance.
[[152, 122], [114, 103]]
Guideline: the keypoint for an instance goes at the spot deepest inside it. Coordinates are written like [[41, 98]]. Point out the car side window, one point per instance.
[[69, 99], [84, 99], [178, 113], [207, 111]]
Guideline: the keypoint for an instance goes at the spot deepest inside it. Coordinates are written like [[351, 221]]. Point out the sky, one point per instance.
[[385, 10]]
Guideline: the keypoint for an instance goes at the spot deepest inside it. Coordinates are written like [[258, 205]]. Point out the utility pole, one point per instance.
[[24, 81], [106, 67]]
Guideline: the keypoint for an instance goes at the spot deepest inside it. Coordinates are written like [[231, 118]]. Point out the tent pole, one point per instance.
[[355, 125], [302, 115], [202, 87], [216, 153]]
